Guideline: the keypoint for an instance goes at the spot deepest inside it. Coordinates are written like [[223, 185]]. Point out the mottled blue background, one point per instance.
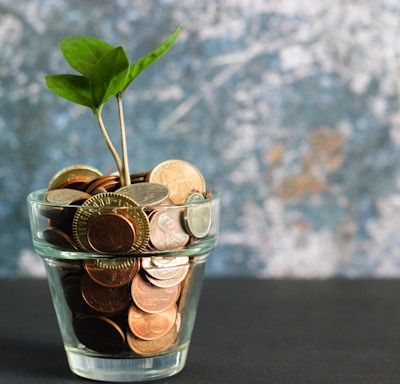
[[291, 109]]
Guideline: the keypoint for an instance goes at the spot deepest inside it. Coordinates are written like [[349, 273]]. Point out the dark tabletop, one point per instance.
[[247, 331]]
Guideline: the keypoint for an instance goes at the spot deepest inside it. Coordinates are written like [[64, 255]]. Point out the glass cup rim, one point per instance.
[[36, 197]]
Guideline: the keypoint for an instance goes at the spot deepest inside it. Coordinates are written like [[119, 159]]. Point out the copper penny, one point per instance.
[[139, 177], [107, 183], [59, 238], [110, 232], [180, 177], [110, 301], [74, 176], [150, 298], [112, 272], [71, 284], [166, 232], [124, 214], [100, 334], [151, 347], [151, 326]]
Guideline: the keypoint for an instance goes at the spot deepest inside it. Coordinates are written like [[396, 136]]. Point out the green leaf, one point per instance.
[[74, 88], [83, 52], [151, 57], [109, 75]]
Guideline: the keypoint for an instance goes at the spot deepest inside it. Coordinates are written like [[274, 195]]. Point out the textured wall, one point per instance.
[[290, 108]]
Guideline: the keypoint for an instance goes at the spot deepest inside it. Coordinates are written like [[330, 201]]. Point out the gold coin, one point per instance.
[[166, 232], [123, 213], [151, 326], [197, 217], [152, 299], [145, 194], [116, 263], [74, 176], [180, 177]]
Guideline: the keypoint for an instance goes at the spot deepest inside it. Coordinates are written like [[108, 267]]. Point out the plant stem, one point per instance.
[[97, 112], [125, 177]]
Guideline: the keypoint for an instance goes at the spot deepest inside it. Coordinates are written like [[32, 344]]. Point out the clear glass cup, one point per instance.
[[126, 315]]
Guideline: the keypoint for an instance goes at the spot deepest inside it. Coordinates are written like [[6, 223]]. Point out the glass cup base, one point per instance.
[[126, 370]]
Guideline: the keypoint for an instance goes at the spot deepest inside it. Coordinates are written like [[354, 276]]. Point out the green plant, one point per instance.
[[104, 73]]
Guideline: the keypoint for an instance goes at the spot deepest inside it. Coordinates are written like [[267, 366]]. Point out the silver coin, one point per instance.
[[197, 217], [146, 194]]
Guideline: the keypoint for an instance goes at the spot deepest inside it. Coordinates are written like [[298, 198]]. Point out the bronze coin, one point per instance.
[[139, 177], [151, 347], [151, 326], [59, 238], [112, 204], [153, 299], [110, 232], [107, 183], [109, 301], [111, 272], [71, 284], [100, 334]]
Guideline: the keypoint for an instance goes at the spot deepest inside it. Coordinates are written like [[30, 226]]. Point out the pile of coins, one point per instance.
[[94, 213], [128, 304], [123, 300]]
